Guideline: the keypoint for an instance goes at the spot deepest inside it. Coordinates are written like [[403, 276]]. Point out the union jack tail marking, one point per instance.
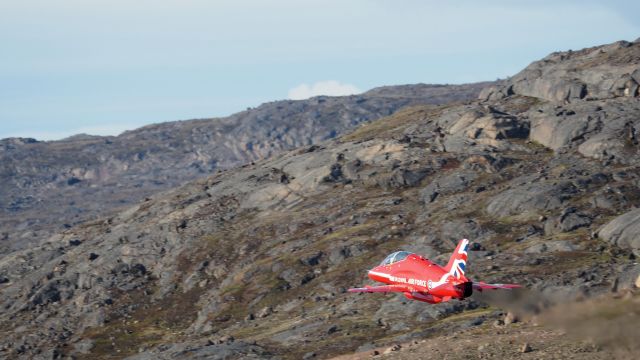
[[458, 261]]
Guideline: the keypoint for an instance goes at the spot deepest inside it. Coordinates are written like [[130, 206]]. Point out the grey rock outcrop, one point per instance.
[[618, 138], [598, 129], [532, 195], [550, 246], [448, 184], [601, 72], [45, 188], [555, 127], [211, 351], [586, 99], [489, 126], [256, 260], [570, 219], [624, 231]]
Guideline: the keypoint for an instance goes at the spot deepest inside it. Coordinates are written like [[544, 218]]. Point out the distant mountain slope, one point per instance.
[[255, 261], [47, 186]]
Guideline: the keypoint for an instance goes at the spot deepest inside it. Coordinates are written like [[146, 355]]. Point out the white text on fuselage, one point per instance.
[[403, 280]]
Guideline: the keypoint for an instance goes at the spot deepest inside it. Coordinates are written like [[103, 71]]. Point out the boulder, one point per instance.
[[624, 231], [338, 254], [212, 350], [551, 246], [625, 86], [555, 129], [393, 348], [84, 346], [487, 163], [309, 355], [493, 93], [264, 312], [457, 229], [451, 183], [46, 295], [617, 140], [403, 177], [530, 197], [570, 219], [628, 276], [612, 198], [335, 174], [551, 88], [574, 221], [488, 126], [510, 318], [312, 260]]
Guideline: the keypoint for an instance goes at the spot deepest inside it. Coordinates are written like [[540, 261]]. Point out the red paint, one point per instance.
[[422, 280]]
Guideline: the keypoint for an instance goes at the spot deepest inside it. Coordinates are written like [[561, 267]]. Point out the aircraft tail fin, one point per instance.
[[458, 261]]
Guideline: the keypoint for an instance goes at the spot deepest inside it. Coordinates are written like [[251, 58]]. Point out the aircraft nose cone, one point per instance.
[[374, 275]]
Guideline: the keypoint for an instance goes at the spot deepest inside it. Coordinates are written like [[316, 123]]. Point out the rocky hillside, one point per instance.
[[50, 186], [254, 261]]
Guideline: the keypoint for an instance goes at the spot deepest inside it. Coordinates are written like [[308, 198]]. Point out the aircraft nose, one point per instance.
[[371, 274]]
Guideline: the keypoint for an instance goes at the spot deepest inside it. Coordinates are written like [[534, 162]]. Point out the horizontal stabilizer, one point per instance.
[[484, 286], [382, 289]]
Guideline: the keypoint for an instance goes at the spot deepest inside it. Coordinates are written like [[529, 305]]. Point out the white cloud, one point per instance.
[[328, 88]]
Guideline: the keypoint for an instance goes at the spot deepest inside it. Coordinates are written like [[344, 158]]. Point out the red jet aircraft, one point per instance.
[[422, 280]]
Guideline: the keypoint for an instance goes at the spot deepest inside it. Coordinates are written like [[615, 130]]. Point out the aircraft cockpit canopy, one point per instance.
[[395, 257]]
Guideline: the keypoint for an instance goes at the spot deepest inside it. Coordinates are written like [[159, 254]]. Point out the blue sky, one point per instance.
[[101, 67]]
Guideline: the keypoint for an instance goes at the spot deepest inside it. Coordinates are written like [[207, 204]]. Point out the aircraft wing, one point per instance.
[[484, 286], [381, 288]]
